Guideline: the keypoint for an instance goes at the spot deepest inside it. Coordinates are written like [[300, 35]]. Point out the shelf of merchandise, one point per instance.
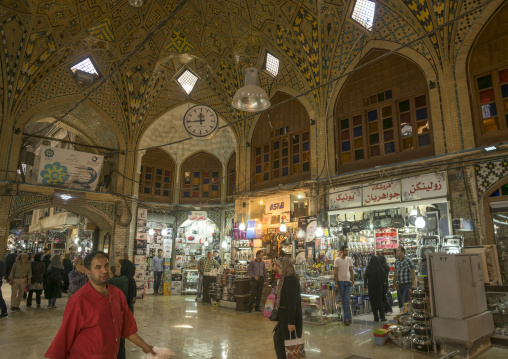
[[186, 288]]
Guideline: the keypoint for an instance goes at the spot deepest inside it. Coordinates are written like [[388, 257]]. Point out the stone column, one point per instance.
[[5, 204], [124, 232]]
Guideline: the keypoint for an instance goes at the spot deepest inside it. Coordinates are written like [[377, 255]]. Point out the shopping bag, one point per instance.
[[295, 348]]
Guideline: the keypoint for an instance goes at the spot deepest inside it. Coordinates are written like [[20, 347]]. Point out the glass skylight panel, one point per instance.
[[85, 66], [363, 13], [187, 80], [272, 64]]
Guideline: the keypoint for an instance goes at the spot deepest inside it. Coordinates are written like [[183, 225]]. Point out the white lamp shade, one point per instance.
[[164, 232], [251, 97], [224, 244], [319, 232], [206, 243], [151, 231]]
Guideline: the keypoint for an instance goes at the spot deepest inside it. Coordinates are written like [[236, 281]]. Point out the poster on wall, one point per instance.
[[381, 193], [70, 169], [431, 185], [140, 250], [345, 197]]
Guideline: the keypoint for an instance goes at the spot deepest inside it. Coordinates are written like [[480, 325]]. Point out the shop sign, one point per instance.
[[346, 197], [278, 205], [70, 169], [431, 185], [267, 219], [381, 193], [196, 215]]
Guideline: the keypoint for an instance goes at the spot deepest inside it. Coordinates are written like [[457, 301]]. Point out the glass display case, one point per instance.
[[497, 303], [319, 303], [190, 281], [500, 218]]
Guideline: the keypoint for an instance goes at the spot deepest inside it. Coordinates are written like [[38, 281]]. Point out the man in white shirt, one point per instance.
[[345, 278]]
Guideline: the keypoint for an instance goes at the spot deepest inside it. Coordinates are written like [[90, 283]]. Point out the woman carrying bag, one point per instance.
[[289, 307]]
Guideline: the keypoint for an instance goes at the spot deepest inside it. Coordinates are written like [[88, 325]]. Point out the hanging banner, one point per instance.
[[197, 215], [382, 192], [345, 197], [431, 185], [278, 205], [70, 169]]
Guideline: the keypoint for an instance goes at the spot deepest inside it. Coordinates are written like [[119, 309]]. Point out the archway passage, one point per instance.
[[281, 145], [382, 115]]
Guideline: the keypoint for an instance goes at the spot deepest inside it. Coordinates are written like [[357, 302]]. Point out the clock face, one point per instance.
[[201, 122]]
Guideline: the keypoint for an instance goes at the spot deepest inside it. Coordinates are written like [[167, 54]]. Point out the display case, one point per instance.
[[190, 281], [319, 303], [497, 303]]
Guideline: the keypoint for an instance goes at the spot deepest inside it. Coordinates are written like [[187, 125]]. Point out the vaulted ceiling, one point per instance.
[[216, 39]]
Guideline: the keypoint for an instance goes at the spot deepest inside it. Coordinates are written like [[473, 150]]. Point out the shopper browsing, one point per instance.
[[158, 268], [192, 263], [95, 318], [36, 284], [257, 271], [289, 306], [404, 275], [217, 257], [205, 265], [20, 275], [345, 278], [375, 281], [53, 281]]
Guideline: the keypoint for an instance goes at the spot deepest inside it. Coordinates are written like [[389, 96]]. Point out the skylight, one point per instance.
[[272, 64], [85, 66], [363, 13], [187, 80]]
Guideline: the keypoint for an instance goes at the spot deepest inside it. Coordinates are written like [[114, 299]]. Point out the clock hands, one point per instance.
[[201, 119]]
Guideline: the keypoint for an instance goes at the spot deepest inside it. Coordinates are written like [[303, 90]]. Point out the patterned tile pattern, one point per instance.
[[103, 30], [487, 174], [107, 209], [23, 200]]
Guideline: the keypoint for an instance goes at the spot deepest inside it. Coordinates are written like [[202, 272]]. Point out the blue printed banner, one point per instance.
[[278, 205], [70, 169]]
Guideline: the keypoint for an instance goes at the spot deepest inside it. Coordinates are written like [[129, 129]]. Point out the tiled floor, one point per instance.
[[197, 330]]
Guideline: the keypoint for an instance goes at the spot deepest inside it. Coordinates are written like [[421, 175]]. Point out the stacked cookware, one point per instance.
[[421, 324]]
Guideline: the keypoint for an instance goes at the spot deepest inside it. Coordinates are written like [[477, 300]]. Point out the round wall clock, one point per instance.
[[201, 122]]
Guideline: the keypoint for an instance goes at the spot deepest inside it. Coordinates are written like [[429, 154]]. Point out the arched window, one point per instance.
[[157, 178], [201, 178], [281, 144], [382, 115], [231, 177], [488, 76]]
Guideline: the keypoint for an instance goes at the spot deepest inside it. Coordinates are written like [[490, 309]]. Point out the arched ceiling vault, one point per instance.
[[216, 39]]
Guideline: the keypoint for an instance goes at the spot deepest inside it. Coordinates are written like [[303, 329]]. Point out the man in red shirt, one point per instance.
[[95, 318]]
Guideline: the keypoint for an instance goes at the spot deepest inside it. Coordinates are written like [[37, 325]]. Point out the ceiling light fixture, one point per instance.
[[136, 3], [251, 97], [319, 232], [164, 232], [420, 221], [242, 226], [490, 148]]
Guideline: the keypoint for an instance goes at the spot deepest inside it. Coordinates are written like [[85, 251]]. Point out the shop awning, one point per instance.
[[382, 207]]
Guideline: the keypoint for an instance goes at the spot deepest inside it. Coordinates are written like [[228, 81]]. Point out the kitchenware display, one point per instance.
[[424, 250], [387, 220], [367, 223], [356, 226], [406, 219], [412, 220], [405, 320], [422, 343], [346, 226], [404, 342], [377, 221], [431, 221], [419, 294], [430, 241], [422, 329], [418, 304], [399, 331], [420, 317]]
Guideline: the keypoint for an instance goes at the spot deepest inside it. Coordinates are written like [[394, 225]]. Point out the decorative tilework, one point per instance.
[[106, 209], [178, 43], [489, 173], [103, 31], [22, 201]]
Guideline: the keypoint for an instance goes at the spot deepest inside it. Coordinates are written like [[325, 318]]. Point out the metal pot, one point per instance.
[[399, 331], [422, 344], [421, 317], [419, 294], [405, 320], [419, 303], [422, 329]]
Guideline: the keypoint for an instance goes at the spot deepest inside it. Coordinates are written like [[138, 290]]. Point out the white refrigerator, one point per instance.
[[457, 285]]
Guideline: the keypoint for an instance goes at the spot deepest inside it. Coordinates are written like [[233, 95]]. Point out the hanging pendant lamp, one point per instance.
[[251, 97]]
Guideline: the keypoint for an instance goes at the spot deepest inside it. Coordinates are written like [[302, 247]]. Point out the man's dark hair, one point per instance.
[[91, 256], [402, 249], [160, 250], [259, 252], [343, 247]]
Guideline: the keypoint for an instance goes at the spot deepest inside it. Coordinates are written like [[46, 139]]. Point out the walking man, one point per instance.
[[205, 265], [3, 307], [20, 275], [404, 276], [257, 271], [95, 318], [345, 278], [158, 269]]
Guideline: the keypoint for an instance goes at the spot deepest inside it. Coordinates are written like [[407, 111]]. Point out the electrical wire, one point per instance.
[[97, 85], [337, 78]]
